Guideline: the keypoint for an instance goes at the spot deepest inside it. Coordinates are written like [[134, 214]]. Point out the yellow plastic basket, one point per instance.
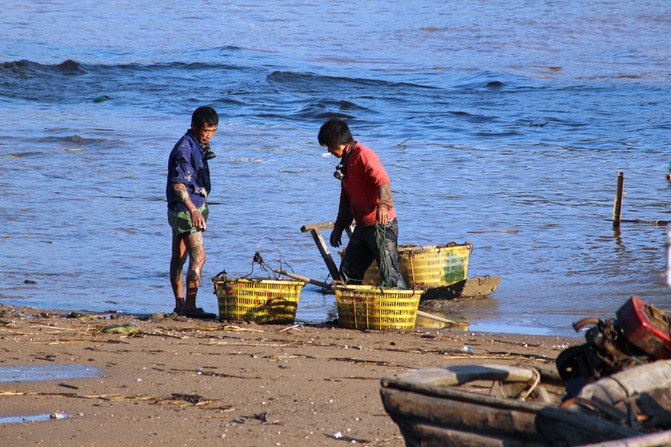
[[434, 265], [370, 307], [430, 265], [258, 300]]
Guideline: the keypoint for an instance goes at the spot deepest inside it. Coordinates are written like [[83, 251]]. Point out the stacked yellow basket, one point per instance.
[[430, 266], [434, 265]]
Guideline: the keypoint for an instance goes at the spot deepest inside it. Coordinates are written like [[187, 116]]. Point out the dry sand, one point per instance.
[[174, 381]]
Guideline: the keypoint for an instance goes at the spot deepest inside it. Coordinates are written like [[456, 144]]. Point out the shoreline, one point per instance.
[[179, 381]]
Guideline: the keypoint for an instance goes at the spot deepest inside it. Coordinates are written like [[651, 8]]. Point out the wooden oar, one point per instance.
[[441, 319], [303, 278], [328, 286]]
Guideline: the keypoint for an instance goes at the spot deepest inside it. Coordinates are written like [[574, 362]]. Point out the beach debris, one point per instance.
[[499, 355], [263, 417], [34, 418], [361, 361], [10, 313], [200, 372], [58, 416], [230, 327], [191, 398], [290, 328], [159, 316], [129, 329], [340, 437], [176, 398], [160, 333]]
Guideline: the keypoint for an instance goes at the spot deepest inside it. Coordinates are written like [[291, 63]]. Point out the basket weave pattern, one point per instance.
[[261, 301], [369, 307]]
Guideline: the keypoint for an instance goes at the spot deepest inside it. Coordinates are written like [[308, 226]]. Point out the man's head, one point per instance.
[[204, 122], [335, 135]]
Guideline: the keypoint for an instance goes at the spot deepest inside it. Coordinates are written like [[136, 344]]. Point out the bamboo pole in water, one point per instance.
[[617, 207], [668, 255]]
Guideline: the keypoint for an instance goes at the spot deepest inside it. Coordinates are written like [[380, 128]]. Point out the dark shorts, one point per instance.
[[180, 221]]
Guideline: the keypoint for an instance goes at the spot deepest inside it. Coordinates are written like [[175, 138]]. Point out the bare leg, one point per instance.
[[179, 255], [196, 253]]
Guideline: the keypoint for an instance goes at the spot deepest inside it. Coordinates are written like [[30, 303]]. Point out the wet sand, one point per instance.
[[175, 381]]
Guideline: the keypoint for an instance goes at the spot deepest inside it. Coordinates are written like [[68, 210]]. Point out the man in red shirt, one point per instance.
[[365, 197]]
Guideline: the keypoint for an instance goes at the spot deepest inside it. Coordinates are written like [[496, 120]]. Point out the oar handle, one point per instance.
[[303, 278], [438, 318]]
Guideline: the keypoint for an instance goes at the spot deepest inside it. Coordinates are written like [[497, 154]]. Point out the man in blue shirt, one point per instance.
[[187, 190]]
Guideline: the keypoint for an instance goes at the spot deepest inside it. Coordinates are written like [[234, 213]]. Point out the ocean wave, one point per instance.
[[307, 81], [73, 82], [69, 66], [326, 108], [487, 80], [25, 68]]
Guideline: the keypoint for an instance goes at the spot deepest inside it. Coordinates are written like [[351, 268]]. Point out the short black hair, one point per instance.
[[334, 132], [204, 115]]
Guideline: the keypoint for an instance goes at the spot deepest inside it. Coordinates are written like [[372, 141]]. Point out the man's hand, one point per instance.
[[336, 236], [198, 220], [384, 204], [382, 214]]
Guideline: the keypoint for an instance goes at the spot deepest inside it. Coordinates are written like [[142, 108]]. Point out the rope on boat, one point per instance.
[[537, 380]]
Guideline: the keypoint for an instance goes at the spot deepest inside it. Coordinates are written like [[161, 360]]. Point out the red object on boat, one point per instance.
[[646, 327]]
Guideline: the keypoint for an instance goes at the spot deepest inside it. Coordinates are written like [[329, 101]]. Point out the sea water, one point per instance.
[[501, 123]]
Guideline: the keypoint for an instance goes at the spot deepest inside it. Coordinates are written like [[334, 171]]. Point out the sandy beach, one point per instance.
[[167, 380]]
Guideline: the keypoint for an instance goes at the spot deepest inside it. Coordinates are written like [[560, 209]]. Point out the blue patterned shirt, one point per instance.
[[187, 165]]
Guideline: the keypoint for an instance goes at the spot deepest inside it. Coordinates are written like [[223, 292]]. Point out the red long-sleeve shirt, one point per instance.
[[364, 174]]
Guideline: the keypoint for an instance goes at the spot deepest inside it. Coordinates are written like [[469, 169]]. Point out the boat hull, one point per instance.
[[432, 409]]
